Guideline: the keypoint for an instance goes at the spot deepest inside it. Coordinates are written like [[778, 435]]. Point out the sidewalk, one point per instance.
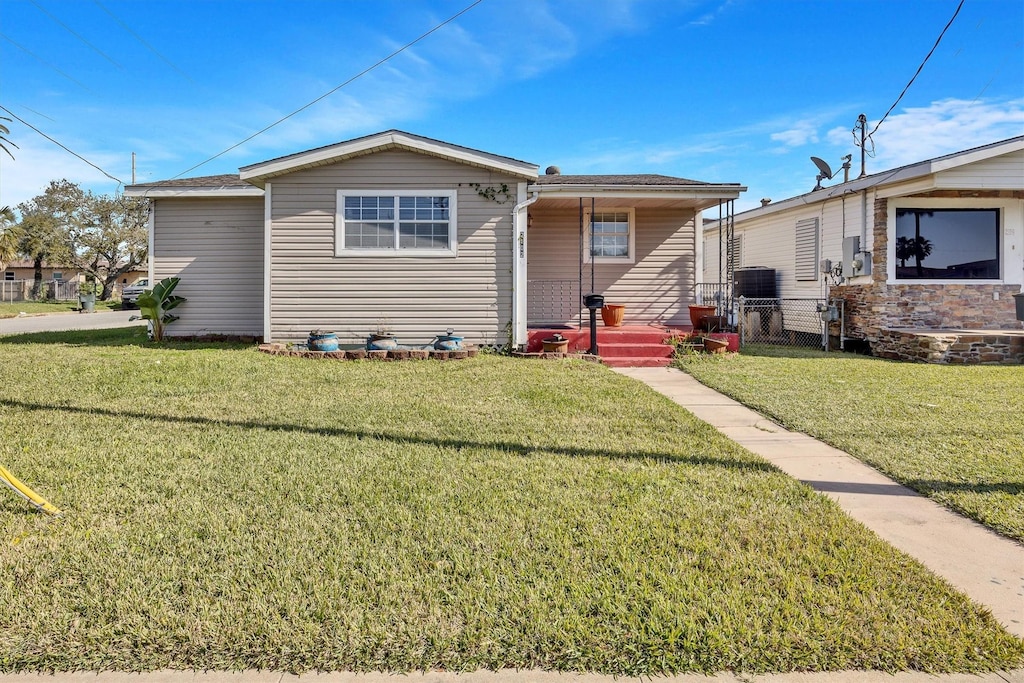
[[981, 564]]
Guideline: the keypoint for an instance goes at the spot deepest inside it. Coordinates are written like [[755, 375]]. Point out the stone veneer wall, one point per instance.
[[874, 308], [950, 347]]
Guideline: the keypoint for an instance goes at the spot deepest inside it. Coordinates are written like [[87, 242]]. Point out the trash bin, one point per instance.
[[88, 303], [1019, 300]]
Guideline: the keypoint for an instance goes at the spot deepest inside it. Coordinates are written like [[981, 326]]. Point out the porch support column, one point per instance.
[[519, 225]]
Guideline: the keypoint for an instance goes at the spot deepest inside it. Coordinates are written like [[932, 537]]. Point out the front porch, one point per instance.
[[629, 346]]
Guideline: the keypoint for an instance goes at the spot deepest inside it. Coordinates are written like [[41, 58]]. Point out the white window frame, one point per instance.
[[396, 251], [57, 275], [630, 256], [1010, 213], [9, 276]]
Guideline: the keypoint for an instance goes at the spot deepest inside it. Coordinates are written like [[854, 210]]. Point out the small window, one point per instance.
[[947, 244], [9, 275], [611, 236], [414, 224], [57, 275], [806, 267]]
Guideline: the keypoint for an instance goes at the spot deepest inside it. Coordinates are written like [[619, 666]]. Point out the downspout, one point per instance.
[[519, 225]]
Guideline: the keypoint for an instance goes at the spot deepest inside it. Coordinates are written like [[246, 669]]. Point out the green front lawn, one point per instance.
[[226, 509], [16, 308], [954, 433]]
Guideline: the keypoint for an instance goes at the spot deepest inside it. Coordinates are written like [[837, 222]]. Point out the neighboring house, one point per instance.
[[25, 270], [420, 235], [934, 245]]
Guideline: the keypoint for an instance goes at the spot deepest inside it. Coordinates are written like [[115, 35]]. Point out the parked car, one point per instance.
[[130, 294]]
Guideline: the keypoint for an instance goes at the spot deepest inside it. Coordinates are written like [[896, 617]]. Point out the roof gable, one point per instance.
[[259, 174]]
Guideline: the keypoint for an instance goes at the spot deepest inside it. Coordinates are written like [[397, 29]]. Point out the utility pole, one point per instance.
[[133, 168]]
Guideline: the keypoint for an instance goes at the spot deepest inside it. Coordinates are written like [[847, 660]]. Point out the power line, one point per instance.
[[334, 90], [139, 38], [61, 145], [917, 73], [43, 61], [76, 35]]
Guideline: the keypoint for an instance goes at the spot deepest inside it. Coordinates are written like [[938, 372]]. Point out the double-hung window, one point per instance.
[[611, 236], [385, 223]]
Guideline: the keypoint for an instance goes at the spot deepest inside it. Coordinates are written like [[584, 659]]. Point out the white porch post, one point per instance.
[[519, 224]]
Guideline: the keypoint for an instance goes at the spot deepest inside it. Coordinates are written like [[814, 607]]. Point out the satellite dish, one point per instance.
[[826, 170]]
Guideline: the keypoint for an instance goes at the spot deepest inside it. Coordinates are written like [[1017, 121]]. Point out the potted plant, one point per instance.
[[322, 340], [87, 296], [382, 338]]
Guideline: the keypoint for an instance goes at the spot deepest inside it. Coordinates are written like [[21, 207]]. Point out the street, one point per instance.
[[67, 321]]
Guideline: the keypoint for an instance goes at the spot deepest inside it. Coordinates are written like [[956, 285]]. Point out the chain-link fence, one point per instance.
[[788, 322]]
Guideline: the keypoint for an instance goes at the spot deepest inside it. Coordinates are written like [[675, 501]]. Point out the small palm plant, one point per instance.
[[155, 303]]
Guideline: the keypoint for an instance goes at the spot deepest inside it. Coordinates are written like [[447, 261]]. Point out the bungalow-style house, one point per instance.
[[417, 235], [917, 253]]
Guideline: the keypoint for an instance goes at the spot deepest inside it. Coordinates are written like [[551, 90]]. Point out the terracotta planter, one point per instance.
[[612, 314], [556, 344], [715, 345], [698, 312]]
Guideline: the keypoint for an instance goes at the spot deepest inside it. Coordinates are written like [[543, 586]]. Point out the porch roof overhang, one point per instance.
[[695, 196]]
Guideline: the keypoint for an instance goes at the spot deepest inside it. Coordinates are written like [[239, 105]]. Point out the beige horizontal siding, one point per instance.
[[216, 247], [418, 297], [1002, 172], [658, 287]]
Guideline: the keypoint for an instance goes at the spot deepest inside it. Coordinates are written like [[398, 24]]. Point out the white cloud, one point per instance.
[[804, 132], [943, 127], [36, 162]]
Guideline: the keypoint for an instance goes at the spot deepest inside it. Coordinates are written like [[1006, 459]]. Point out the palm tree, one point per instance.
[[10, 236], [4, 131]]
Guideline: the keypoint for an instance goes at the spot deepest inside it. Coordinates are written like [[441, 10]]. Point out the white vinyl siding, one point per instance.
[[658, 287], [215, 246], [418, 295], [806, 263]]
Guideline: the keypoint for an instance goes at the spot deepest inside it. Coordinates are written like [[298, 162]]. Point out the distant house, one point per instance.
[[420, 235], [935, 245]]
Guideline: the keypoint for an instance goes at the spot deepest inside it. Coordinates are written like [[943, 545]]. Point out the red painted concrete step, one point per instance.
[[634, 350], [646, 362]]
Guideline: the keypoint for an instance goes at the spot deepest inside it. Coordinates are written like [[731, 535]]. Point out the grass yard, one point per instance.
[[15, 308], [954, 433], [226, 509]]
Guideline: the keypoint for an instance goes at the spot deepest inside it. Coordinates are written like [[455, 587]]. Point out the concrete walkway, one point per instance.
[[986, 567]]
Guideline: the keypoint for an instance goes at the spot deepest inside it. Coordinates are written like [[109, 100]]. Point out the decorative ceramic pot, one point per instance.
[[381, 342], [448, 342], [322, 341]]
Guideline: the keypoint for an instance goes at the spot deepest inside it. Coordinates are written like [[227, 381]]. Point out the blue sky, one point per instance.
[[740, 91]]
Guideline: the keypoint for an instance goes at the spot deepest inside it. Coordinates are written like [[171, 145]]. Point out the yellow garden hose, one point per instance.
[[25, 492]]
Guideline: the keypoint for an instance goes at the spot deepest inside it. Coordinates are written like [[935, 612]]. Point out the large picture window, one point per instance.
[[610, 235], [947, 244], [404, 224]]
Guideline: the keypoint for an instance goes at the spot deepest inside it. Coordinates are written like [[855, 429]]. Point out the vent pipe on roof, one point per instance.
[[766, 201], [552, 170]]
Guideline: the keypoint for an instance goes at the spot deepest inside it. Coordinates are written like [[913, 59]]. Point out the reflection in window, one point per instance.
[[947, 244], [610, 235]]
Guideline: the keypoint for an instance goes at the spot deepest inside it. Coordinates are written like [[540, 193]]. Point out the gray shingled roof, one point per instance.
[[653, 180], [224, 180]]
